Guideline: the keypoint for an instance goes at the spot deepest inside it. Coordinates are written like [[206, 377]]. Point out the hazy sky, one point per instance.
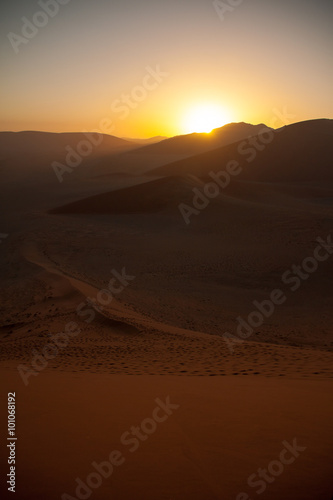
[[139, 68]]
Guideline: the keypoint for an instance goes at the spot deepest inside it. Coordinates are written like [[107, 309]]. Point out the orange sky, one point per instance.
[[140, 68]]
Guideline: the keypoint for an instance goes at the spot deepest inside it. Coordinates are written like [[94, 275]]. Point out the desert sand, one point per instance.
[[182, 288]]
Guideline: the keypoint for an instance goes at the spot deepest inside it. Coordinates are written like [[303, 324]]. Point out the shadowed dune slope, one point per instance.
[[197, 142], [144, 159], [280, 175], [143, 198], [301, 152]]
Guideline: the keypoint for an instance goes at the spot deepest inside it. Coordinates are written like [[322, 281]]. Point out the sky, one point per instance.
[[141, 68]]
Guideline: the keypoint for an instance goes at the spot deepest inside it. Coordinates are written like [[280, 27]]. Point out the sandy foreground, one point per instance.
[[231, 413], [224, 430]]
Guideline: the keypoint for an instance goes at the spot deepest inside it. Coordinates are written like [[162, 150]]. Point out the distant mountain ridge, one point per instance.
[[50, 143], [146, 142]]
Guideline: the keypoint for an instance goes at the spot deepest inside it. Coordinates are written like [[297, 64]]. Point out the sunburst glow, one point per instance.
[[205, 118]]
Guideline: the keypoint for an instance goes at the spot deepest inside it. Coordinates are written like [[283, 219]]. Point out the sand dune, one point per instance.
[[146, 158], [124, 340], [192, 144], [147, 197], [167, 193], [300, 152], [223, 431]]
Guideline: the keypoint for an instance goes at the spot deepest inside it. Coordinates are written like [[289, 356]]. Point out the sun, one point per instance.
[[205, 118]]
